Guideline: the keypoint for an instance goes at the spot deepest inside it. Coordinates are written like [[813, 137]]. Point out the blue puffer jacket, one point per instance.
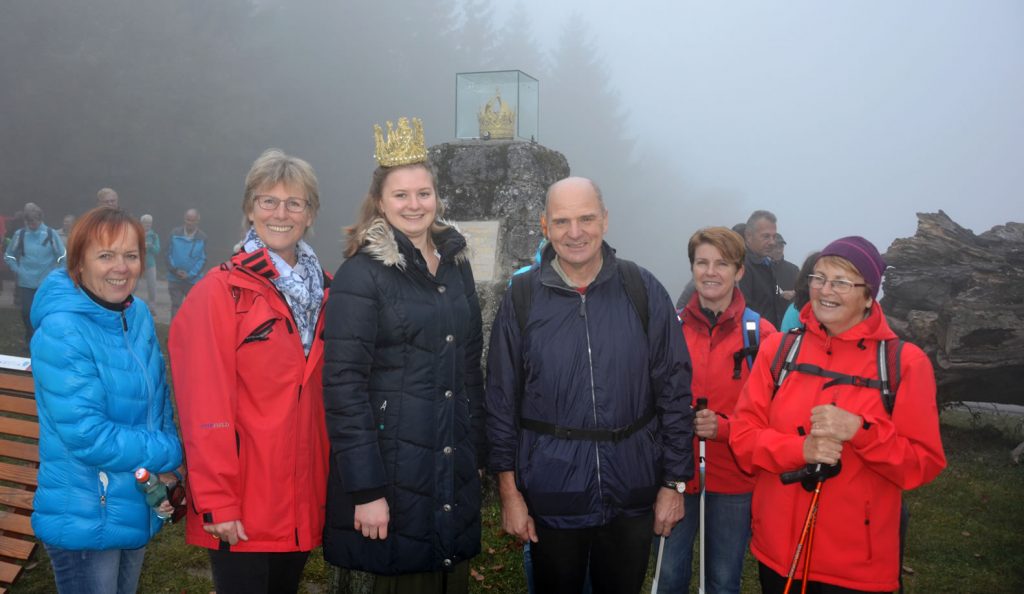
[[104, 411], [589, 365]]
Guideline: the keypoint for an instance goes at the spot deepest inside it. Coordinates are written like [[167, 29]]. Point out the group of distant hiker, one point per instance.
[[351, 411], [31, 250]]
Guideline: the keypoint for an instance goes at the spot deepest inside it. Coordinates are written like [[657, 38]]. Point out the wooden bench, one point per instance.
[[19, 460]]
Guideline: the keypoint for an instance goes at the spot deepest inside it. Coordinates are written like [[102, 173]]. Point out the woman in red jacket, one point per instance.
[[247, 356], [819, 415], [713, 327]]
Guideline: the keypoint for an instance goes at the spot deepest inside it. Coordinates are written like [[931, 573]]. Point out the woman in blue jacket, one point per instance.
[[104, 409]]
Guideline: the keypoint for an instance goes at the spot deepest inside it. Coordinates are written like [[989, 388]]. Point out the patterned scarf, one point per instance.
[[301, 285]]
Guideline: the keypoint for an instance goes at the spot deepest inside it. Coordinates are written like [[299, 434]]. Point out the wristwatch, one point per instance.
[[677, 486]]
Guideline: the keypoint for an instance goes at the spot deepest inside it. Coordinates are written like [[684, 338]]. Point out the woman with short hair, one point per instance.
[[713, 324], [247, 356], [104, 409]]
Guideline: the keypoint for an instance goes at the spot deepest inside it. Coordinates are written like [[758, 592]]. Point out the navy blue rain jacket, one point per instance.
[[588, 364]]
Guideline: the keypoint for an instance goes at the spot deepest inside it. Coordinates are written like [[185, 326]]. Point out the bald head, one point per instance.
[[106, 197], [574, 185], [191, 220]]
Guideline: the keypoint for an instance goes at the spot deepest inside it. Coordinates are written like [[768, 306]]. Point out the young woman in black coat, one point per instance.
[[403, 389]]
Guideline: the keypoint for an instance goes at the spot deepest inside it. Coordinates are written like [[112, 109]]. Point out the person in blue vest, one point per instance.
[[33, 252], [104, 410], [186, 256]]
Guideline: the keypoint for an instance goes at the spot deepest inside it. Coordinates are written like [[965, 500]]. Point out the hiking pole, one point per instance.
[[702, 403], [809, 550], [809, 522], [657, 565]]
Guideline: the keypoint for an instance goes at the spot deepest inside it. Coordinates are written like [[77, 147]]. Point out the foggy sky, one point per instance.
[[844, 117]]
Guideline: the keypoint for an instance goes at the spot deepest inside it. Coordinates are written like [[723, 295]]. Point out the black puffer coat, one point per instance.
[[403, 396]]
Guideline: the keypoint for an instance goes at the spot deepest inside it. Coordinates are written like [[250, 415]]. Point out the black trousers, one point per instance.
[[253, 573], [773, 583], [617, 554]]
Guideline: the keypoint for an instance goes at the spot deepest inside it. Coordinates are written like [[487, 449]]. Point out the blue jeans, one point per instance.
[[96, 572], [727, 533]]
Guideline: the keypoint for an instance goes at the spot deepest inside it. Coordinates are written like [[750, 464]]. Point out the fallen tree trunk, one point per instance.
[[960, 297]]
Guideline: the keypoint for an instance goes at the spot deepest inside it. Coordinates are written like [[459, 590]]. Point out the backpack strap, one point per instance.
[[889, 355], [51, 236], [522, 297], [751, 342], [636, 290], [888, 361], [19, 243], [785, 356]]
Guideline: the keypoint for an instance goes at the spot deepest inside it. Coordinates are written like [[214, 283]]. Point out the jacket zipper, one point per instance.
[[104, 482], [145, 375], [593, 397]]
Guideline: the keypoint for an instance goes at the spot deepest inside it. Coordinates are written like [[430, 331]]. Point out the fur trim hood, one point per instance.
[[383, 243]]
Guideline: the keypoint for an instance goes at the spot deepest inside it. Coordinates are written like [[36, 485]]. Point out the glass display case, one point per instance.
[[497, 105]]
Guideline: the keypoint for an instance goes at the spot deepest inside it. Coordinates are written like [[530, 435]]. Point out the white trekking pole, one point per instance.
[[657, 565], [702, 403]]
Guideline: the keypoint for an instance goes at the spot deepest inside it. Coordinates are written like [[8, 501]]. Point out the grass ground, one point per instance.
[[966, 532]]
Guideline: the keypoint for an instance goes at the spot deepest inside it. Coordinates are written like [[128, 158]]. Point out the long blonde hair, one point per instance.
[[370, 210]]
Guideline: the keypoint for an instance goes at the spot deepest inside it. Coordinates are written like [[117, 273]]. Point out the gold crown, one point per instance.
[[405, 144], [497, 120]]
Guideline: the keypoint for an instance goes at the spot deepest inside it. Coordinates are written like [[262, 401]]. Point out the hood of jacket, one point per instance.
[[391, 247]]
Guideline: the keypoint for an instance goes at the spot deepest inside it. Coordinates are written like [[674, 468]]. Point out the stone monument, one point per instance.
[[494, 191]]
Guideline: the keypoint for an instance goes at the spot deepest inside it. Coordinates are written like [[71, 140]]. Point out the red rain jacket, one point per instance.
[[251, 409], [711, 352], [856, 540]]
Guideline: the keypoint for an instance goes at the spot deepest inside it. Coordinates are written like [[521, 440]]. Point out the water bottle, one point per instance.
[[155, 491]]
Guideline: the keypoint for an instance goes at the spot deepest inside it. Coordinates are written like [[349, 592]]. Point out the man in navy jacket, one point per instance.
[[589, 413]]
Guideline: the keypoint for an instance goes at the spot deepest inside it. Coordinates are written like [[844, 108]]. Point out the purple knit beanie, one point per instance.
[[864, 257]]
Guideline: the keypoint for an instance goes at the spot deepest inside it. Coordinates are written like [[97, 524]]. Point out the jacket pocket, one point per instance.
[[261, 332]]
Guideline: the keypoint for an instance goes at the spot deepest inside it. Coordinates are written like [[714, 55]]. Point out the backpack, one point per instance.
[[19, 243], [888, 382], [751, 342], [629, 273]]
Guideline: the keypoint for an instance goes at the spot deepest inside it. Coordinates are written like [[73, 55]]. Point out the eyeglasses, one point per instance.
[[840, 286], [290, 204]]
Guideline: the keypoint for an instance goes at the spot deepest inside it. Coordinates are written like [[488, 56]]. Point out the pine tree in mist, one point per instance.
[[584, 116], [515, 46], [117, 93]]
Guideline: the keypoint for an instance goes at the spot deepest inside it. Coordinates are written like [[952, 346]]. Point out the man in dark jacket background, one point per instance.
[[589, 415], [759, 284]]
